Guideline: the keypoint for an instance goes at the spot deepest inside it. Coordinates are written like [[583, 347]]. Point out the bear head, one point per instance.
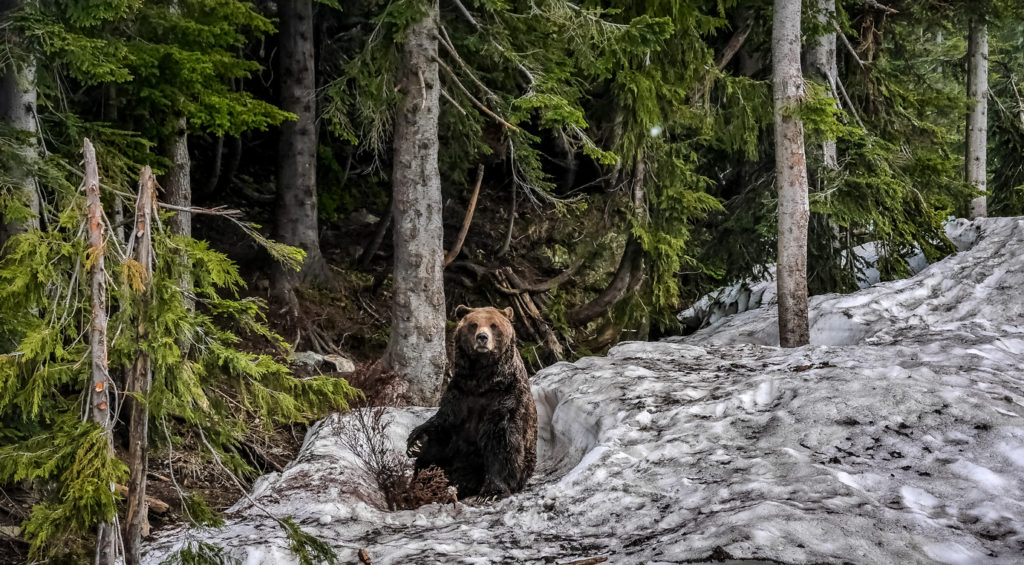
[[484, 331]]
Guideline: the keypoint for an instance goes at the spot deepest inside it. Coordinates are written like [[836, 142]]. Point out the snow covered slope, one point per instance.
[[743, 296], [903, 443]]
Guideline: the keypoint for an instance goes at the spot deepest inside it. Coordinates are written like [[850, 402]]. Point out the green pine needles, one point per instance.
[[44, 368]]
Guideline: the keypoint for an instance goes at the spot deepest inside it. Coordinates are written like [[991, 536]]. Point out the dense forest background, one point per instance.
[[599, 166]]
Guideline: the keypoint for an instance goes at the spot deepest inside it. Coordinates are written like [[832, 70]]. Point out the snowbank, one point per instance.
[[902, 442], [743, 296]]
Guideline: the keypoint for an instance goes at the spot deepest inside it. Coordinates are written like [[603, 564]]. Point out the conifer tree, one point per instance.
[[297, 222], [975, 158], [416, 348]]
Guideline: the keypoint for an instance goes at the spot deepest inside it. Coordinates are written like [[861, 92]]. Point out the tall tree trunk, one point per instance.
[[296, 178], [416, 349], [99, 394], [791, 175], [140, 378], [178, 181], [977, 118], [821, 59], [18, 110]]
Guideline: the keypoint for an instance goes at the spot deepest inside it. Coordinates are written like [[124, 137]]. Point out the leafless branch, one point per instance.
[[473, 99], [454, 252]]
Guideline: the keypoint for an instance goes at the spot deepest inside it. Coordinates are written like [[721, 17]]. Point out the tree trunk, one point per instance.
[[821, 60], [791, 175], [18, 110], [977, 118], [99, 396], [296, 179], [178, 181], [416, 349], [140, 379]]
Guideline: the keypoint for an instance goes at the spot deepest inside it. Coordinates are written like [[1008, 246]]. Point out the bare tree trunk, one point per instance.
[[296, 178], [977, 118], [178, 181], [822, 61], [99, 397], [416, 349], [18, 110], [791, 175], [140, 377]]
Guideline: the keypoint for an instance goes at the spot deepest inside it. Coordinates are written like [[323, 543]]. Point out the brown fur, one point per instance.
[[484, 435]]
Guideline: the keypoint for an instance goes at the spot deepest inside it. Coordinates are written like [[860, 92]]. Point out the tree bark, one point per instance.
[[18, 110], [296, 179], [99, 397], [791, 175], [977, 118], [140, 378], [416, 349], [821, 59], [178, 181]]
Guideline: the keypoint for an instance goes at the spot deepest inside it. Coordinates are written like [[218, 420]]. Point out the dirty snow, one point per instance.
[[749, 295], [896, 437]]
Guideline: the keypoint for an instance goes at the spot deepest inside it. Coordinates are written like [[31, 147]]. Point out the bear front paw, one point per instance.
[[414, 445]]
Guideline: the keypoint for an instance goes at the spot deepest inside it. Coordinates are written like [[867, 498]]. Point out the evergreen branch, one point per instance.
[[469, 17], [444, 40], [449, 98], [473, 99]]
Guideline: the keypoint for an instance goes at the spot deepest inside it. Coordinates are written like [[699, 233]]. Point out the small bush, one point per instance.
[[403, 488]]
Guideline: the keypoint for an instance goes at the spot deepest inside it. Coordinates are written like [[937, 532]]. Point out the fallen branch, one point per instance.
[[735, 42], [528, 310], [849, 103], [849, 46], [587, 561], [874, 4], [544, 286], [454, 252]]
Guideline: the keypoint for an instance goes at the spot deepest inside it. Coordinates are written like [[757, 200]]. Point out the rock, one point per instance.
[[363, 217], [325, 363]]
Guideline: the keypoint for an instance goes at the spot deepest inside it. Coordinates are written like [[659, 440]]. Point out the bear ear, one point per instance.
[[462, 310], [508, 312]]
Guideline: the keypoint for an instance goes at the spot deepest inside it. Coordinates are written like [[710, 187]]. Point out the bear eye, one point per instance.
[[473, 326], [494, 327]]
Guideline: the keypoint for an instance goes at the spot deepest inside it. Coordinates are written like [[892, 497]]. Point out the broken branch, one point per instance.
[[450, 256]]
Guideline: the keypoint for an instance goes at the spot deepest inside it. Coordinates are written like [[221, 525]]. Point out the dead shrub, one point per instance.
[[379, 388], [403, 488]]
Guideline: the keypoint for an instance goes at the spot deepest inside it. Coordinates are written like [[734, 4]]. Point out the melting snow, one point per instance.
[[896, 437]]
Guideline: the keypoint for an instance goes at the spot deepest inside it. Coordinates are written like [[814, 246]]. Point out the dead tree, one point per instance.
[[99, 397], [140, 374]]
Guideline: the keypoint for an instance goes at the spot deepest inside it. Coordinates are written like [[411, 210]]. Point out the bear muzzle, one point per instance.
[[483, 341]]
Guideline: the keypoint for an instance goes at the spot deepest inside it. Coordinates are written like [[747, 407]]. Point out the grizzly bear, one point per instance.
[[484, 434]]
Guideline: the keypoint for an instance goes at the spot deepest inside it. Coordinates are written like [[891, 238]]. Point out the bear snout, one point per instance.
[[482, 339]]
